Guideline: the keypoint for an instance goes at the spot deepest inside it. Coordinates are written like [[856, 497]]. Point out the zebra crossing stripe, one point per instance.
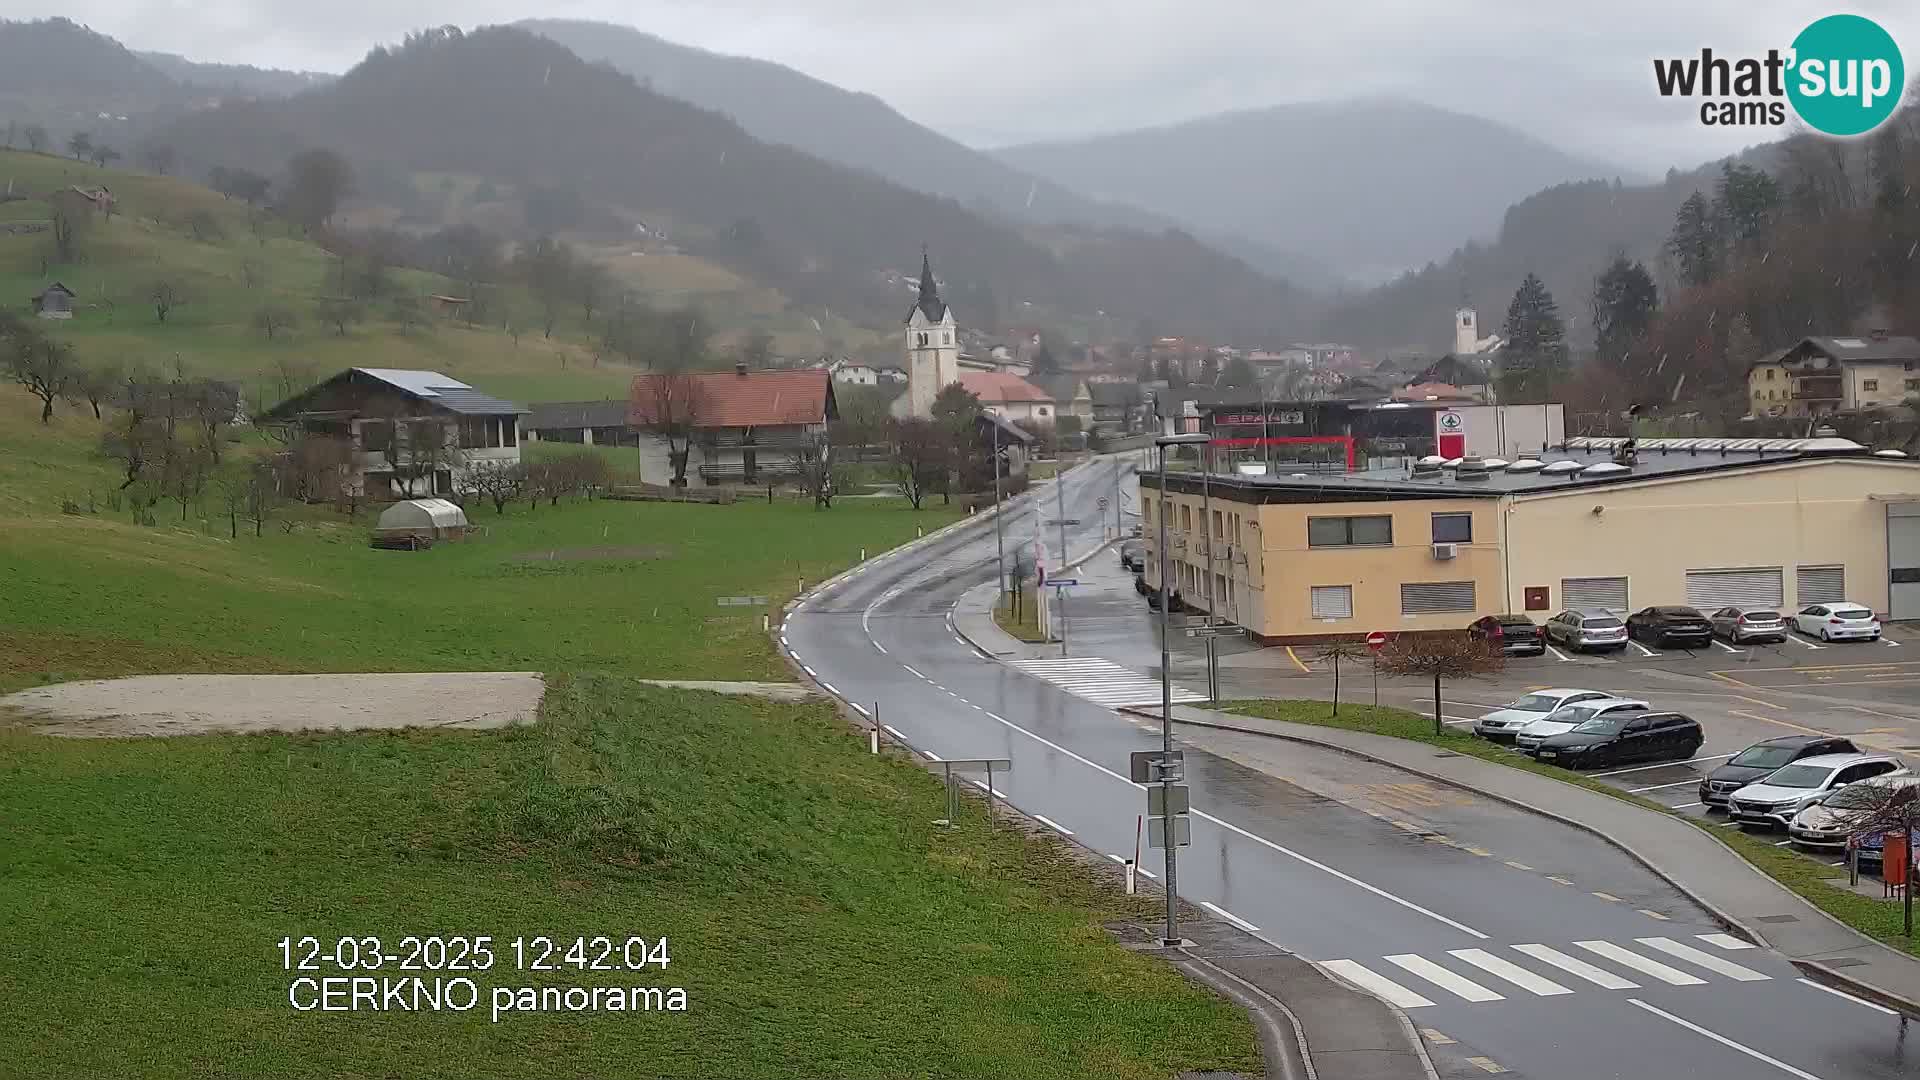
[[1512, 972], [1706, 960], [1726, 941], [1629, 958], [1441, 977], [1102, 681], [1573, 965], [1386, 989]]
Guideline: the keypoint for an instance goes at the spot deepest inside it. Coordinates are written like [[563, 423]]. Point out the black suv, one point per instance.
[[1683, 626], [1762, 758], [1514, 635], [1133, 555], [1622, 736]]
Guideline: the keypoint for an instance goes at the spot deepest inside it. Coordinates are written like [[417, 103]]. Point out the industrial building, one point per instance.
[[1430, 546]]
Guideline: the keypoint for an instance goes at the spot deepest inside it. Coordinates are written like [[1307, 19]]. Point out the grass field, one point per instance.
[[1875, 918], [819, 923]]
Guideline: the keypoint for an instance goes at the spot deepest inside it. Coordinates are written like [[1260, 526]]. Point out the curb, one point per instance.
[[1287, 1059]]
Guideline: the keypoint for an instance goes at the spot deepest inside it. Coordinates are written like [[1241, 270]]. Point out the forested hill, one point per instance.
[[522, 110]]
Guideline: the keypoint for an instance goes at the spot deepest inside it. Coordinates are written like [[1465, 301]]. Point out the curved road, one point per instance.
[[1488, 941]]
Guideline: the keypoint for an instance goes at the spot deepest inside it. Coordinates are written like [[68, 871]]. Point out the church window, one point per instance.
[[923, 341]]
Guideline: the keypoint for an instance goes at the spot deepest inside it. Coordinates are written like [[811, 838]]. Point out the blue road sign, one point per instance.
[[1063, 581]]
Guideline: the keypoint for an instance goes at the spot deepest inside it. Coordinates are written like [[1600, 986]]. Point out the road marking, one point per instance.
[[1609, 898], [784, 641], [1658, 787], [1559, 880], [1512, 972], [1146, 871], [1726, 825], [1629, 958], [1441, 977], [828, 687], [1482, 852], [931, 756], [1573, 965], [1560, 656], [1379, 985], [1296, 660], [1892, 644], [915, 671], [1728, 647], [1102, 681], [857, 707], [1795, 636], [1652, 914], [1662, 765], [1704, 959], [877, 645], [1052, 824], [1644, 651], [1850, 997], [981, 784], [894, 731], [1723, 1040], [1685, 805], [1783, 843], [1230, 916], [1518, 865], [1782, 723], [809, 671], [1435, 1037], [974, 707], [1487, 1064]]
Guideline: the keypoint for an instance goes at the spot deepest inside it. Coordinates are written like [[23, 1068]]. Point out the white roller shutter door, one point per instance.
[[1748, 587], [1431, 597], [1820, 585], [1594, 592]]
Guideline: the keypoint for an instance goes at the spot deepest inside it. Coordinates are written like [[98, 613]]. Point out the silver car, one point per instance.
[[1582, 629], [1743, 624]]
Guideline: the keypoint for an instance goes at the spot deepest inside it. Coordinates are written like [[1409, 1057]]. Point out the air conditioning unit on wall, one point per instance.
[[1445, 551]]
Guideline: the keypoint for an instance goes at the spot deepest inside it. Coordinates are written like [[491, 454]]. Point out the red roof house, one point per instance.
[[745, 426]]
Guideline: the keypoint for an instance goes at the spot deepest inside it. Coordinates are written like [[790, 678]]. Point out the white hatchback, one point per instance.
[[1837, 622]]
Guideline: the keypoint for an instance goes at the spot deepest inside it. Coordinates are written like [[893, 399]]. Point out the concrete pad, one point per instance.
[[775, 691], [202, 704]]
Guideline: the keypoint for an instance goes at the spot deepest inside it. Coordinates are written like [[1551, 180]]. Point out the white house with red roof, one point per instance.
[[745, 427], [1010, 397]]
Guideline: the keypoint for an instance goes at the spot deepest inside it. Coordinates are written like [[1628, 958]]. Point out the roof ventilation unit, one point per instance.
[[1471, 468], [1562, 468], [1425, 470], [1526, 465]]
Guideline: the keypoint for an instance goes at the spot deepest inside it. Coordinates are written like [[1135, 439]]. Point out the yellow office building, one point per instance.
[[1705, 522]]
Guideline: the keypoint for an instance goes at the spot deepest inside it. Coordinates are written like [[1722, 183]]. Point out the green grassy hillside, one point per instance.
[[227, 262]]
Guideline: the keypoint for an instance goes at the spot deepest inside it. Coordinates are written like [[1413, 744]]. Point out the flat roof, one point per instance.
[[1578, 463]]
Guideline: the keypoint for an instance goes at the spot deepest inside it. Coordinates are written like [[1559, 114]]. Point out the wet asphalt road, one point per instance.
[[1526, 946]]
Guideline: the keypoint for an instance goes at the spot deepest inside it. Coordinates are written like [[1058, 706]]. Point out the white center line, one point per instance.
[[1230, 916], [1644, 651], [1573, 965], [1558, 655], [1723, 1040], [914, 670], [1057, 827], [1850, 997], [1727, 647]]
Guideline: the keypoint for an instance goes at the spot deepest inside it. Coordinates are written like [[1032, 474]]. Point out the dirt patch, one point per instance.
[[595, 554], [200, 704]]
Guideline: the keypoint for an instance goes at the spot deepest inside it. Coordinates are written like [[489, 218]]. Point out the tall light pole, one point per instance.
[[1168, 833], [1206, 519], [999, 537]]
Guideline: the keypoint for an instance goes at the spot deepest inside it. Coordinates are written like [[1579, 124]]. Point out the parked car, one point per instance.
[[1778, 797], [1567, 717], [1826, 823], [1756, 761], [1133, 554], [1622, 736], [1140, 585], [1837, 622], [1581, 629], [1503, 723], [1743, 624], [1514, 635], [1663, 626], [1134, 532], [1177, 604]]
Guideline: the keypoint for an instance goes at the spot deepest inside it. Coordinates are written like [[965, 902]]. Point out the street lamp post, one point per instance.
[[1168, 834], [999, 538]]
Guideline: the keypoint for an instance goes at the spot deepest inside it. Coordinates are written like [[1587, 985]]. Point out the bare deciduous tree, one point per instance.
[[36, 137], [672, 405], [813, 463], [339, 312], [498, 482], [165, 296], [1438, 656], [97, 383], [1335, 652], [158, 157], [44, 366], [273, 320], [919, 458]]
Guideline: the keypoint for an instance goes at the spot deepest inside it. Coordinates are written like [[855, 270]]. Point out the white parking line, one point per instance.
[[1685, 805], [1657, 787], [1662, 765], [1723, 1040], [1560, 656], [1850, 997], [1893, 644], [1056, 826], [1644, 651], [1795, 636], [1230, 916], [1729, 648]]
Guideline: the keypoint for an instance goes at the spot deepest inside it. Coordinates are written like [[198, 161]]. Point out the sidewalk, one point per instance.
[[1745, 900]]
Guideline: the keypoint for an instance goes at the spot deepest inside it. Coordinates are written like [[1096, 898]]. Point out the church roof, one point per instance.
[[1000, 388], [929, 303]]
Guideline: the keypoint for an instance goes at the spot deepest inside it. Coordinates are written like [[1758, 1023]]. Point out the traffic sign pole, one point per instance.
[[1376, 641]]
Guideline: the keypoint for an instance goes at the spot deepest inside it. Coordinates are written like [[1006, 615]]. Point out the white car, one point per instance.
[[1778, 797], [1567, 717], [1837, 622], [1826, 823], [1503, 723]]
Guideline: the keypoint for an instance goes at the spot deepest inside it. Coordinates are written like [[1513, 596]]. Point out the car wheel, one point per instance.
[[1824, 636]]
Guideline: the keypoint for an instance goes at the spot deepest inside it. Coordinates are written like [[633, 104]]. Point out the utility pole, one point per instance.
[[1206, 520], [1169, 834], [999, 511], [1060, 510]]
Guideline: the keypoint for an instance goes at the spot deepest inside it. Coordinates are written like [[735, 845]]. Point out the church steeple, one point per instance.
[[929, 303]]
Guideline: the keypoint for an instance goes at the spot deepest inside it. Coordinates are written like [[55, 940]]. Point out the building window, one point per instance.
[[375, 435], [1146, 512], [1186, 519], [1331, 601], [1349, 531], [1453, 528], [1869, 384], [1218, 528], [1431, 597], [1043, 410], [1769, 374], [510, 430]]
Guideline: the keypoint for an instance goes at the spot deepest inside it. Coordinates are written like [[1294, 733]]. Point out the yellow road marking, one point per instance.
[[1878, 712], [1609, 898], [1518, 865], [1485, 854], [1488, 1064], [1731, 679], [1654, 915], [1296, 660], [1837, 667], [1435, 1037], [1560, 880]]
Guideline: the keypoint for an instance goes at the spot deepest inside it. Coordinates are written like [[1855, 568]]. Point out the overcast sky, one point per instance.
[[990, 72]]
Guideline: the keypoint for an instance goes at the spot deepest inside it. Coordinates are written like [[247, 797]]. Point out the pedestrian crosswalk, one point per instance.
[[1102, 681], [1475, 969]]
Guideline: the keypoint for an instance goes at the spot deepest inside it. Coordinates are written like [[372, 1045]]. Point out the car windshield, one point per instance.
[[1604, 725], [1572, 714], [1800, 776], [1536, 703], [1852, 613], [1764, 757], [1602, 622]]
